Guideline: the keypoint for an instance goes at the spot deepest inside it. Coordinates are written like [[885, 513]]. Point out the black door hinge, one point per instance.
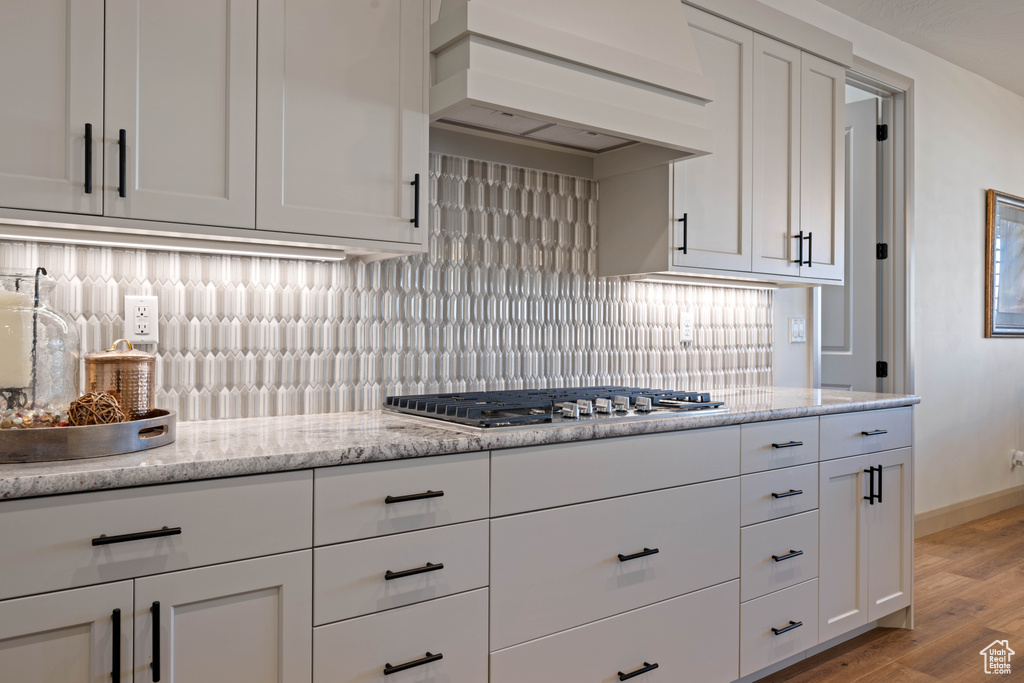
[[881, 251], [882, 132], [881, 369]]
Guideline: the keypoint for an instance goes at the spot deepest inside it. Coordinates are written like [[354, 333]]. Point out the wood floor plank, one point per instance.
[[954, 655], [897, 673]]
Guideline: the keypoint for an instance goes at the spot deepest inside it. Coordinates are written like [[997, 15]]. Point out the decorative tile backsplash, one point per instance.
[[505, 298]]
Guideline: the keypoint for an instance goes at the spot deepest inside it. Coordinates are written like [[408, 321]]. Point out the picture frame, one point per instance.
[[1004, 265]]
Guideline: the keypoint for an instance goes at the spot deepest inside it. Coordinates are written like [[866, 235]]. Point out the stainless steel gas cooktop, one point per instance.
[[554, 406]]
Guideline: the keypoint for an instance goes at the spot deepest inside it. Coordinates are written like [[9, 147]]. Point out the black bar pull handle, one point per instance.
[[88, 158], [879, 483], [642, 670], [155, 611], [636, 556], [427, 659], [810, 250], [413, 496], [122, 162], [799, 237], [788, 444], [103, 539], [686, 233], [416, 202], [115, 648], [787, 494], [788, 556], [428, 567], [870, 498], [785, 629], [875, 432]]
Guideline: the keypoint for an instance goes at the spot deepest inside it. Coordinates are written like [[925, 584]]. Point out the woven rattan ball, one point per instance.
[[96, 408]]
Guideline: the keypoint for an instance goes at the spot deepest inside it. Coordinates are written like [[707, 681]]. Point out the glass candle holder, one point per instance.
[[39, 350]]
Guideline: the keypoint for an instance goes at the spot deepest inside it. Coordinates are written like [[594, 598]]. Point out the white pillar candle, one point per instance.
[[15, 340]]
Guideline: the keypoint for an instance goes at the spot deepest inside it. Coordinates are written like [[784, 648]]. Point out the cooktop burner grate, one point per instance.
[[539, 406]]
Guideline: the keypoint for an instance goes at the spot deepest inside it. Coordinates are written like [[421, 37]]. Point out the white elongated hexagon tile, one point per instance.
[[505, 298]]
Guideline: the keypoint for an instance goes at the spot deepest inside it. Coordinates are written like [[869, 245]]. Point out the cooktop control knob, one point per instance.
[[586, 407], [643, 404], [621, 404], [603, 405], [570, 410]]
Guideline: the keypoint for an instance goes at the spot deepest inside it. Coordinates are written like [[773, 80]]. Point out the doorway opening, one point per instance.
[[863, 329]]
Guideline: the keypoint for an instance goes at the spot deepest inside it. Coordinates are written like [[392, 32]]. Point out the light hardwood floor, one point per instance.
[[968, 592]]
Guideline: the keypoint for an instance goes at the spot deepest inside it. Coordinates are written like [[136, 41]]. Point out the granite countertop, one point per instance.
[[224, 448]]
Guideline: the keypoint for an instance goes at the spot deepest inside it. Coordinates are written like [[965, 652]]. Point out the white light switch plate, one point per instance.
[[141, 318], [686, 327], [798, 330]]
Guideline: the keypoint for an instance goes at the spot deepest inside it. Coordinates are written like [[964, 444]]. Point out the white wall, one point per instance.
[[791, 363], [969, 138]]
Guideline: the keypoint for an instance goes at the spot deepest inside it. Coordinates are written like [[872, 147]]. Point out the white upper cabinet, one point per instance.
[[52, 94], [343, 118], [822, 166], [181, 93], [776, 157], [768, 203], [712, 193]]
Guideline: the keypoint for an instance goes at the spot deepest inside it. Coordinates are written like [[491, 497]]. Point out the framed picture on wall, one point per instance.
[[1004, 266]]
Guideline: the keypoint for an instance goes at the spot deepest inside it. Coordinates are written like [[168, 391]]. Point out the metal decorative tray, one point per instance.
[[73, 443]]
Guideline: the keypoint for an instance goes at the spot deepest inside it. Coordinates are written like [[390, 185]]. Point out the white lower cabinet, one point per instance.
[[353, 579], [440, 640], [244, 621], [689, 638], [778, 626], [778, 554], [75, 636], [560, 568], [866, 548]]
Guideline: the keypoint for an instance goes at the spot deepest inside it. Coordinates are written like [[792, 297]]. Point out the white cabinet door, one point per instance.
[[52, 90], [713, 192], [245, 621], [343, 118], [890, 523], [68, 637], [776, 182], [843, 546], [181, 84], [822, 167]]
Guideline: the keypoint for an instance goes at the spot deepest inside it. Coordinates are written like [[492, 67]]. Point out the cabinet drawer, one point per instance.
[[538, 477], [760, 572], [48, 542], [351, 502], [360, 649], [692, 638], [867, 431], [557, 569], [351, 578], [781, 443], [777, 493], [759, 645]]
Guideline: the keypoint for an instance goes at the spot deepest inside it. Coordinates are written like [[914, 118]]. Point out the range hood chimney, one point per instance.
[[613, 78]]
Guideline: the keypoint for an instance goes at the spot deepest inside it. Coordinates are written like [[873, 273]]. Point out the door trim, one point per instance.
[[898, 281]]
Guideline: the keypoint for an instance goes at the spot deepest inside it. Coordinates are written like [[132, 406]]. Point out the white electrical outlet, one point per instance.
[[797, 330], [686, 331], [1016, 459], [141, 320]]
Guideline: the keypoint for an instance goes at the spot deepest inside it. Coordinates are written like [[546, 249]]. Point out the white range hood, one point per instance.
[[614, 78]]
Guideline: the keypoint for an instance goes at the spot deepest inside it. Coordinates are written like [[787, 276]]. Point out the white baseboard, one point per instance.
[[967, 511]]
